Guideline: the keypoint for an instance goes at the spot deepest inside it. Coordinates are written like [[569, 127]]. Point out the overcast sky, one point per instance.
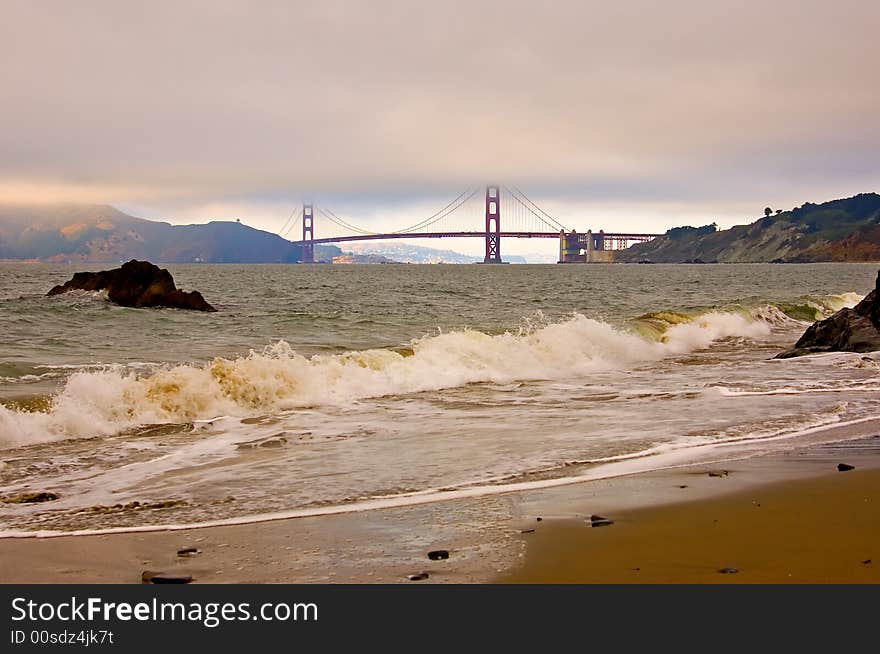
[[620, 115]]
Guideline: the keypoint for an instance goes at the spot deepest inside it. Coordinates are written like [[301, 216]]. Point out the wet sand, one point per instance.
[[822, 530], [788, 517]]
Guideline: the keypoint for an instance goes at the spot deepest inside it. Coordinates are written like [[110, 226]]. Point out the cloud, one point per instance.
[[178, 105]]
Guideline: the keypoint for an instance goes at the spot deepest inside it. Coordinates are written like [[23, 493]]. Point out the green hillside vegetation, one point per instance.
[[840, 230], [103, 234]]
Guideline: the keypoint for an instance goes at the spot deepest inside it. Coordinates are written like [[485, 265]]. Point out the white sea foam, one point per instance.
[[790, 390], [660, 458], [107, 401]]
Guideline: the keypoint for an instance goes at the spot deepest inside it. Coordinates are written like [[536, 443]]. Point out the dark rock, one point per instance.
[[30, 497], [538, 519], [189, 551], [683, 486], [135, 506], [728, 571], [866, 562], [599, 521], [136, 284], [848, 330], [843, 467], [719, 473], [438, 555], [150, 577], [421, 576], [527, 531]]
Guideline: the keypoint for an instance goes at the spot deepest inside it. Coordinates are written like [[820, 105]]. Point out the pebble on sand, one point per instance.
[[843, 467], [189, 551], [728, 571], [421, 576], [438, 555], [599, 521], [150, 577]]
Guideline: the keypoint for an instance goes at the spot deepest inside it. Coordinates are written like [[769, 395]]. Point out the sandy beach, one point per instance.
[[789, 517], [818, 530]]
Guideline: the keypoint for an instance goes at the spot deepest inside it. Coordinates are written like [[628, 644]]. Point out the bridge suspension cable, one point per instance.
[[534, 209], [339, 221], [518, 213], [449, 208], [290, 223]]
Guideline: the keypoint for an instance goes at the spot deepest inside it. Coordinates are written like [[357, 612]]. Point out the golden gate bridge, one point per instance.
[[523, 218]]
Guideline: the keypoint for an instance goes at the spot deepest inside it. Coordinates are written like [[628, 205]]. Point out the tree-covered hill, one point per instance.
[[839, 230]]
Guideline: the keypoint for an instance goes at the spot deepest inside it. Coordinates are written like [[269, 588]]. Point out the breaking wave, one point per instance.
[[117, 398]]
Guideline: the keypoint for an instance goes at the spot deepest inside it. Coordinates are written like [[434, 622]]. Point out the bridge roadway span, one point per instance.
[[473, 234]]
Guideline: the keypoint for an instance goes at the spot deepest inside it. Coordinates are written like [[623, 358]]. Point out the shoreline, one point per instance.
[[484, 534], [597, 471]]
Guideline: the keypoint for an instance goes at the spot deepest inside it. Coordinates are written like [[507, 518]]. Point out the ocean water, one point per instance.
[[320, 389]]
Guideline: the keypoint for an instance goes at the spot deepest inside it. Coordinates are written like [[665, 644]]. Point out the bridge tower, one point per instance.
[[308, 225], [493, 225]]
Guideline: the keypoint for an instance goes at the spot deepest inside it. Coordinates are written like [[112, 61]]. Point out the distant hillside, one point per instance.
[[406, 253], [840, 230], [348, 257], [101, 234]]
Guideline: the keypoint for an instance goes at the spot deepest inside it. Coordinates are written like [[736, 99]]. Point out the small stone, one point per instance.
[[526, 531], [866, 562], [843, 467], [728, 571], [538, 519], [438, 555], [719, 473], [421, 576], [683, 486], [152, 577], [599, 521], [163, 578], [189, 551]]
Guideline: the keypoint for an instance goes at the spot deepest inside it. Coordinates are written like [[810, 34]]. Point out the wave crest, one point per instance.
[[108, 401]]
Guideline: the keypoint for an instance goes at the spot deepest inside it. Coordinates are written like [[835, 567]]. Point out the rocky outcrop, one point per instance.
[[848, 330], [136, 284]]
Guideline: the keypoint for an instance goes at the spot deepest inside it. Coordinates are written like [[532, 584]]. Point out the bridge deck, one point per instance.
[[480, 234]]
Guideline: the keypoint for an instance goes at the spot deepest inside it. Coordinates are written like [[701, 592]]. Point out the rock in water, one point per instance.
[[848, 330], [136, 284], [30, 497]]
